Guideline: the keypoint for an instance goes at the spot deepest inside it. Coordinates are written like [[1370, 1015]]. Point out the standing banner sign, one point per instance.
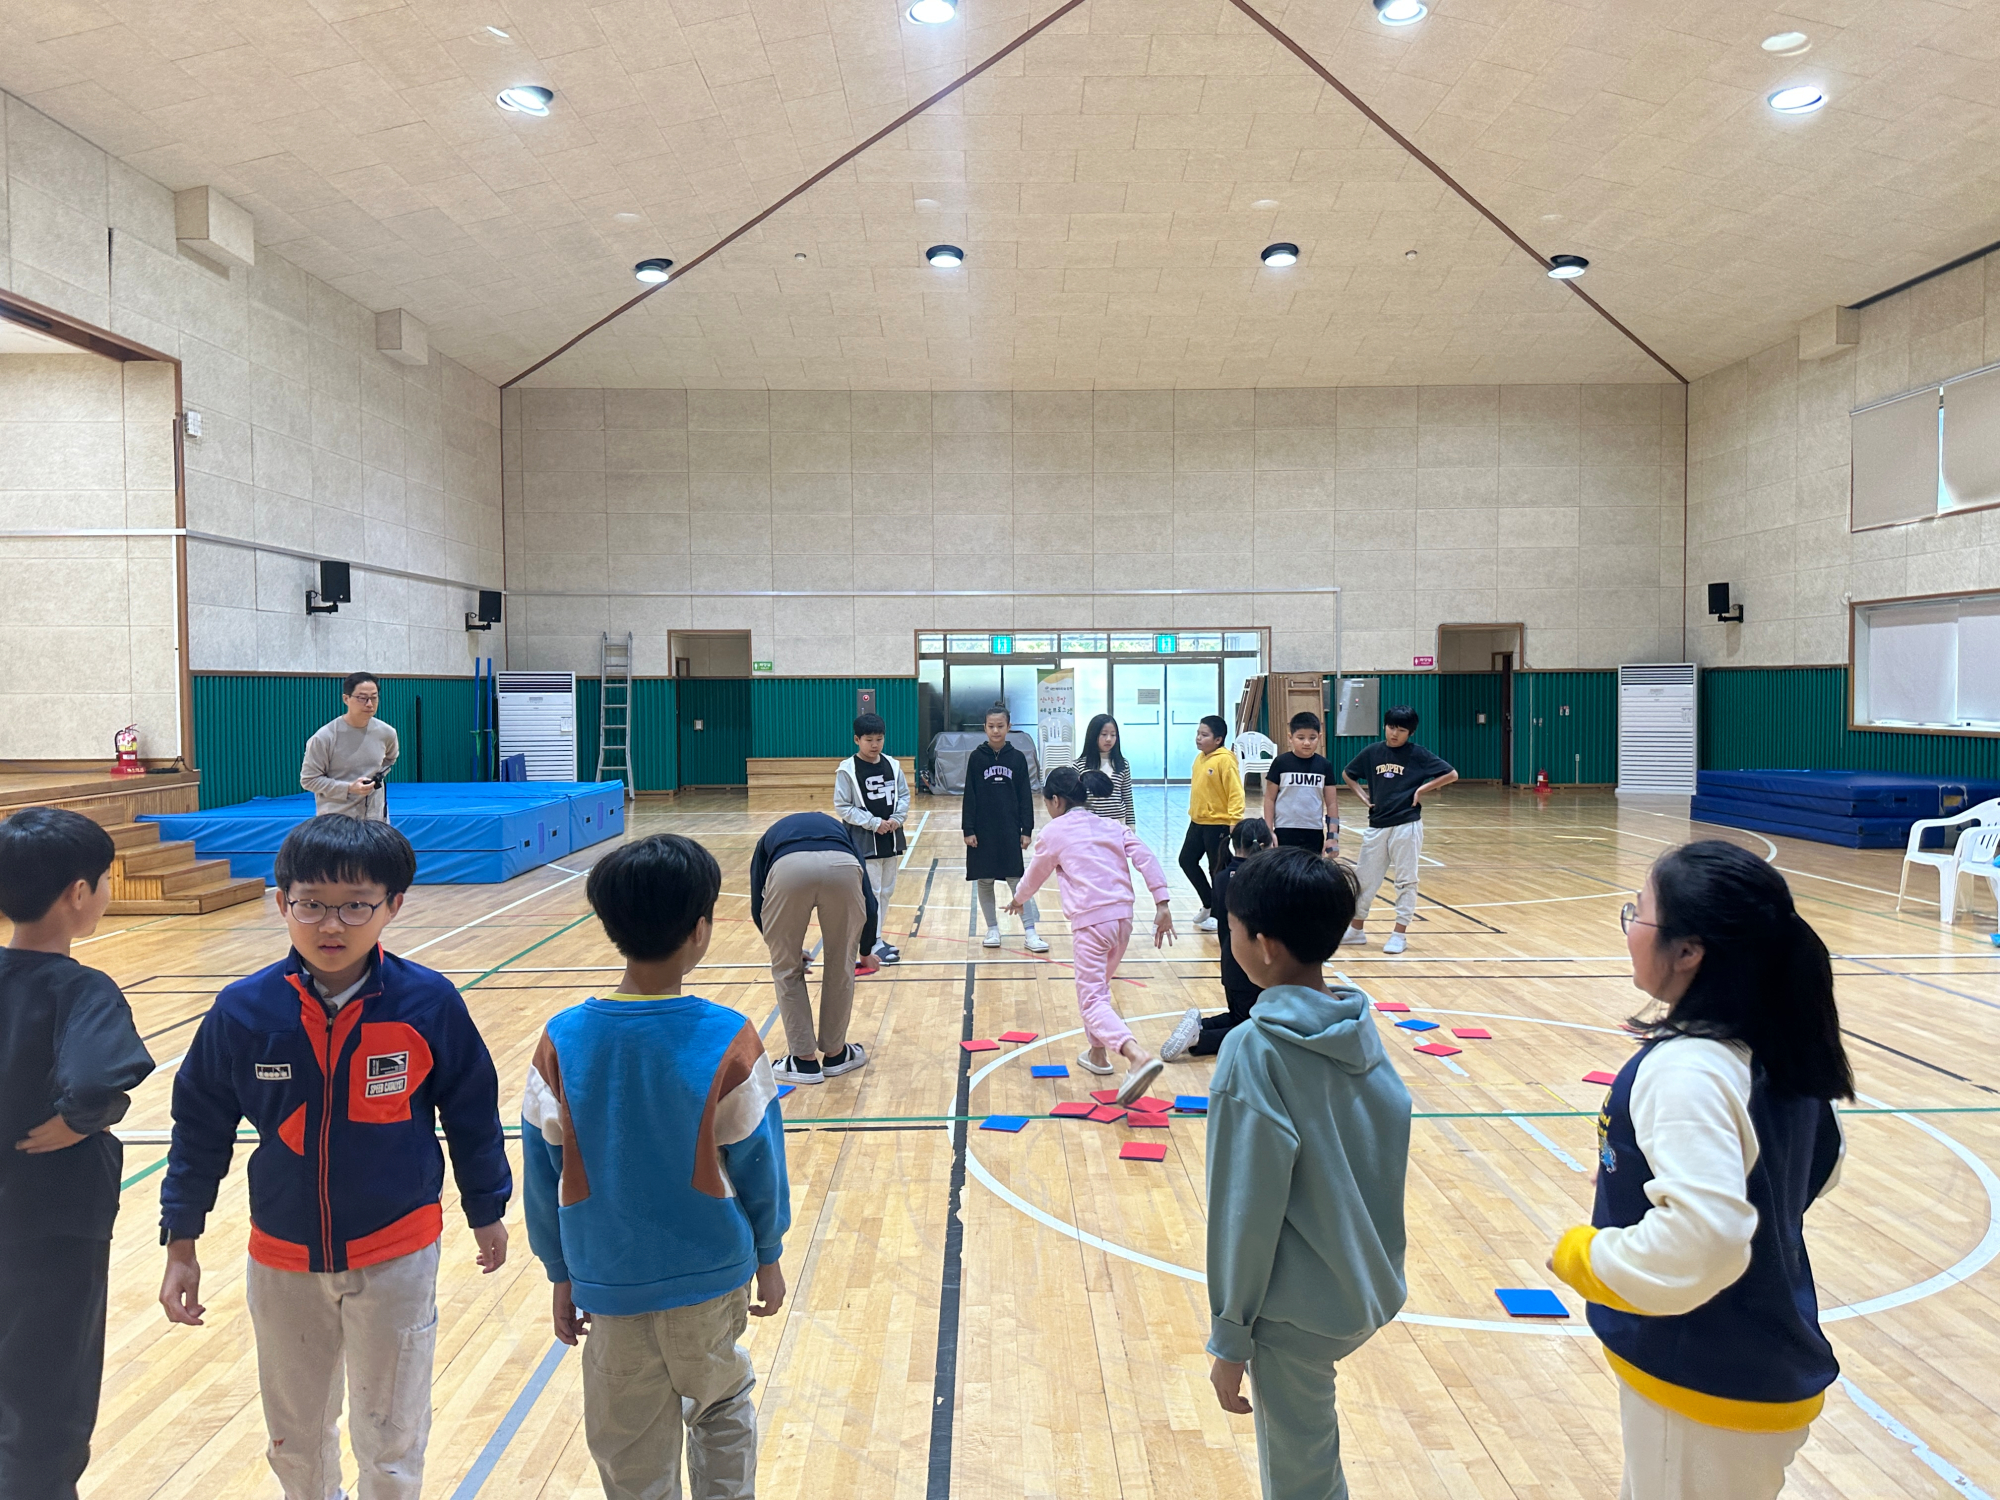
[[1055, 707]]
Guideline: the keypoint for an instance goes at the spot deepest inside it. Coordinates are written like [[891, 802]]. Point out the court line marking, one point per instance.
[[1967, 1266], [910, 847], [517, 1416], [1548, 1145], [476, 921], [1923, 1452]]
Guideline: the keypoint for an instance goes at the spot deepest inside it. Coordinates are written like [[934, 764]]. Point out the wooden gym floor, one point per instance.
[[987, 1315]]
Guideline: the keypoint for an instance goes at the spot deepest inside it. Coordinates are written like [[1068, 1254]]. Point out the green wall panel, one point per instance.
[[716, 754], [1577, 747], [1473, 748], [1795, 719], [798, 716], [250, 730], [1418, 690], [654, 739]]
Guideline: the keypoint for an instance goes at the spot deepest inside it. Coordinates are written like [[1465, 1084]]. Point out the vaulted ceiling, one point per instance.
[[1111, 180]]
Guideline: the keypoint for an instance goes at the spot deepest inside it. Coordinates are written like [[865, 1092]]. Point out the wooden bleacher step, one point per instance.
[[152, 877]]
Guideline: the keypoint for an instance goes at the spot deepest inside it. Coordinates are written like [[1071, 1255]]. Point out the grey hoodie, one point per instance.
[[1308, 1146]]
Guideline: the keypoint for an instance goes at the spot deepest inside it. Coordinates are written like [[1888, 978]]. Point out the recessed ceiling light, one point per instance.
[[1787, 43], [653, 271], [492, 36], [801, 255], [525, 99], [1265, 203], [1400, 12], [1800, 100], [1551, 218], [932, 12], [1409, 255], [1567, 267], [945, 256], [927, 203], [1280, 255], [626, 216]]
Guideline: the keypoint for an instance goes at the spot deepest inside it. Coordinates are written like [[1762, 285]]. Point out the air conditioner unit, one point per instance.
[[537, 712], [1656, 730]]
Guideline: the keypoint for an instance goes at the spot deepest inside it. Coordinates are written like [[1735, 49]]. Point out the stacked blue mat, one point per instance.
[[465, 833], [1855, 809]]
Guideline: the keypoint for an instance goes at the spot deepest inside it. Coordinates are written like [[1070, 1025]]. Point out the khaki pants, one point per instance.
[[796, 886], [1672, 1457], [1390, 851], [637, 1372], [380, 1323]]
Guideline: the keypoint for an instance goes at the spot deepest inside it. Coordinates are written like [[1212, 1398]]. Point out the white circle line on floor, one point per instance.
[[1969, 1265]]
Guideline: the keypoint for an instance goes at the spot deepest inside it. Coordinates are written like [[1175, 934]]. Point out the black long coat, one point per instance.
[[999, 809]]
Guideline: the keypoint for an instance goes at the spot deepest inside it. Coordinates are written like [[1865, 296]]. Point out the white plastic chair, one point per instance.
[[1977, 850], [1254, 754], [1945, 861]]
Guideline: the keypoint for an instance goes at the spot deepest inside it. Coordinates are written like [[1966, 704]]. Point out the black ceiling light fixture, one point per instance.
[[654, 270], [1567, 267], [1280, 254], [944, 257]]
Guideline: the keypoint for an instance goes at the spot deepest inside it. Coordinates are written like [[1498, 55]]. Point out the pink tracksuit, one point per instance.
[[1092, 858]]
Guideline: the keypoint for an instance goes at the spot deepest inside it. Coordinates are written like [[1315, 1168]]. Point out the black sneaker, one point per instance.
[[888, 953], [798, 1070]]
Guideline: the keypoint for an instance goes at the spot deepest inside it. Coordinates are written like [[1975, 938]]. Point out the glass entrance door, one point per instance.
[[1157, 705], [1194, 690], [1138, 703]]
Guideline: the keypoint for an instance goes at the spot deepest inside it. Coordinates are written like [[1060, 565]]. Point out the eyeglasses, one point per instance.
[[351, 913], [1628, 918], [366, 697]]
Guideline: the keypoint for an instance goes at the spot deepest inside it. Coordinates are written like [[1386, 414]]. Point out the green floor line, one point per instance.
[[141, 1176], [512, 958]]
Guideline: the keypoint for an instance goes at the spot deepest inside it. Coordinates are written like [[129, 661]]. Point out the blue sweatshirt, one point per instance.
[[654, 1153], [1308, 1146]]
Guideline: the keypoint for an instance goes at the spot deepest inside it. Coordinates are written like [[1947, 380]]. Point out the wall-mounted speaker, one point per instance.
[[1720, 607], [335, 589], [489, 611]]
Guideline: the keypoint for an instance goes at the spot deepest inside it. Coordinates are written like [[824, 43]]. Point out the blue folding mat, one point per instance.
[[1855, 809], [465, 833]]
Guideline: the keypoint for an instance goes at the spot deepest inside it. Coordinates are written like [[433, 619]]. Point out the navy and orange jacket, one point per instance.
[[347, 1170]]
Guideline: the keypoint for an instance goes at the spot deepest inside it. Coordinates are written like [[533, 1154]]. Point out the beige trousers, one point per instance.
[[639, 1371], [796, 886], [380, 1323], [1672, 1457]]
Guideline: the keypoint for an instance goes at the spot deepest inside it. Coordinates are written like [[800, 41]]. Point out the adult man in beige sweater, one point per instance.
[[347, 760]]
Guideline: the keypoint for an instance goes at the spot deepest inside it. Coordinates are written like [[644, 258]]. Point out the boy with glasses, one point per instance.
[[347, 760], [344, 1059]]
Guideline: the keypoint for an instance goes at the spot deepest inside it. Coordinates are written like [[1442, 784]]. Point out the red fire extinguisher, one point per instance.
[[126, 742], [1542, 781]]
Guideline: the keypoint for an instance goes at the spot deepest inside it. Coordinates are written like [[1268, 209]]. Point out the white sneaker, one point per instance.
[[1395, 942], [787, 1070], [1034, 944], [1207, 924], [1138, 1081], [992, 938], [1185, 1033], [1354, 937], [857, 1057]]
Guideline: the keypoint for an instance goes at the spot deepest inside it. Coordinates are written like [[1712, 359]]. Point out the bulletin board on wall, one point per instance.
[[1927, 663]]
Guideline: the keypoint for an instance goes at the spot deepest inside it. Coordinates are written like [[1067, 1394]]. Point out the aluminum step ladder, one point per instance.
[[614, 710]]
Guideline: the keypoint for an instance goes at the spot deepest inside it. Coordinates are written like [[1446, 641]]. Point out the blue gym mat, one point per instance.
[[465, 833], [1855, 809]]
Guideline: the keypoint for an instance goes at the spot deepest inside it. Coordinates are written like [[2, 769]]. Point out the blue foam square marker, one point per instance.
[[1418, 1025], [1049, 1070], [1012, 1124], [1530, 1302], [784, 1089], [1193, 1104]]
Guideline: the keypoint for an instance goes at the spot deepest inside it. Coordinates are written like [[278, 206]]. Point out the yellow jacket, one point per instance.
[[1216, 794]]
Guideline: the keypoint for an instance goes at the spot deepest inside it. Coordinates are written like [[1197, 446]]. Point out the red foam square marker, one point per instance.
[[1105, 1096], [1107, 1114], [1145, 1119], [1600, 1076], [980, 1046], [1074, 1111], [1142, 1151], [1393, 1007], [1472, 1033], [1017, 1037], [1438, 1049], [1146, 1104]]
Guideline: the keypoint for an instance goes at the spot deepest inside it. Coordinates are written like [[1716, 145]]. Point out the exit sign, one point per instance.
[[1166, 645], [1003, 645], [760, 666], [1423, 661]]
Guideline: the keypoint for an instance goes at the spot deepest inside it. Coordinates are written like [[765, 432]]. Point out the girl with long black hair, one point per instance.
[[1713, 1142], [1102, 752]]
